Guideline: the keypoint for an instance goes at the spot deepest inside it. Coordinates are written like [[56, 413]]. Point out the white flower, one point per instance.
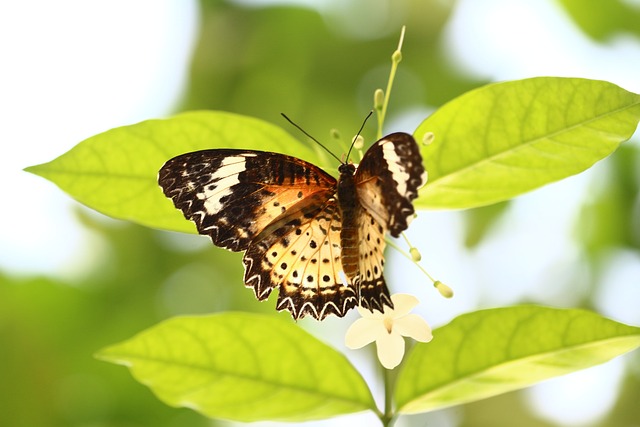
[[388, 328]]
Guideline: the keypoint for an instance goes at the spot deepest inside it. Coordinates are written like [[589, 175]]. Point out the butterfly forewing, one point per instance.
[[388, 179], [233, 195]]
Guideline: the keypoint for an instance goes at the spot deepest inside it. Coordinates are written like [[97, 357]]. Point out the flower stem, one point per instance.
[[396, 57], [387, 418], [407, 256]]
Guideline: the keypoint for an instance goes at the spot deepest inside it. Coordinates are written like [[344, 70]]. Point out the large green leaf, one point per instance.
[[489, 352], [115, 172], [504, 139], [243, 367]]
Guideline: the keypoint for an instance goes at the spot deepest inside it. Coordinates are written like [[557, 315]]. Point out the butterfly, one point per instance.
[[317, 240]]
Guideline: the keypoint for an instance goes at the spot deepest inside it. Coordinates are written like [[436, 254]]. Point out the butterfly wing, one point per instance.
[[233, 195], [301, 257], [386, 181], [278, 208]]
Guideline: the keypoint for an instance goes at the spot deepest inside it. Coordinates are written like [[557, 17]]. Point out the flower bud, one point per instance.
[[444, 290], [396, 57], [378, 99], [415, 254]]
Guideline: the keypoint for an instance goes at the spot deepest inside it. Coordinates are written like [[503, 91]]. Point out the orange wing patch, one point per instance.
[[278, 202]]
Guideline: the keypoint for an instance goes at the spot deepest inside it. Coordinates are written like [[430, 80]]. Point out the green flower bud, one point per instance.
[[415, 254], [378, 99], [396, 57], [444, 290]]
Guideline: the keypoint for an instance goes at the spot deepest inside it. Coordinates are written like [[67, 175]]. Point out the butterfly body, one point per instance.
[[318, 240], [349, 209]]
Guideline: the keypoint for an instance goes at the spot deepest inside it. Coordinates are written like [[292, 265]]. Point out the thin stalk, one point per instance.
[[388, 418], [406, 255], [396, 57]]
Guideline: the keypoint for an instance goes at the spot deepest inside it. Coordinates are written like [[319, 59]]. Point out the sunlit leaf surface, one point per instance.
[[504, 139], [243, 367], [493, 351]]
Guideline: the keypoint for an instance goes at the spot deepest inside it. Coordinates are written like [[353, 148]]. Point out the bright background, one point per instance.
[[72, 281]]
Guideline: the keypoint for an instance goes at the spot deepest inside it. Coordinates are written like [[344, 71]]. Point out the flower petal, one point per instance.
[[413, 326], [390, 349], [363, 331], [403, 304]]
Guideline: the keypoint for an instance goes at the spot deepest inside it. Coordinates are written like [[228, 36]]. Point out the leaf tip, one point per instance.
[[108, 355], [32, 169]]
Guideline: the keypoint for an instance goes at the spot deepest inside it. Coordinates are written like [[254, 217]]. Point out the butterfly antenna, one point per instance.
[[358, 134], [312, 138]]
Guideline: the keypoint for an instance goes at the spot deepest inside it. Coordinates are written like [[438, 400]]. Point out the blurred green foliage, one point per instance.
[[260, 62], [51, 329], [604, 20], [264, 61], [610, 219]]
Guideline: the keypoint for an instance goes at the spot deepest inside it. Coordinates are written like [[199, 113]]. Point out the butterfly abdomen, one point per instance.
[[349, 207]]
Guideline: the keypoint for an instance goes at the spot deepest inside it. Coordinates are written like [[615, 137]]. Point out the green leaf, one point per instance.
[[115, 172], [243, 367], [489, 352], [504, 139]]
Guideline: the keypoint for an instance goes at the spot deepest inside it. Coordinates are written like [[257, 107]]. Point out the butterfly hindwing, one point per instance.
[[301, 257], [233, 195], [371, 284]]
